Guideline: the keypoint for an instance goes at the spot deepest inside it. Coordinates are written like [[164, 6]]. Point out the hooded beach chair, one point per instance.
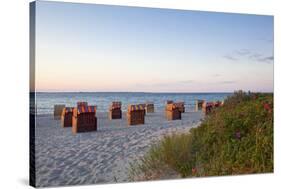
[[136, 114], [173, 111], [58, 108], [84, 119], [115, 111]]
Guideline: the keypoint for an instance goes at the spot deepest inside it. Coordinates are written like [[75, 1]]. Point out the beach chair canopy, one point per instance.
[[86, 109], [82, 103], [179, 103], [174, 106], [116, 105], [136, 107], [169, 102], [149, 103]]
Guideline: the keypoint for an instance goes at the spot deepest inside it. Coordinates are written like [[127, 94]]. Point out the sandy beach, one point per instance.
[[98, 157]]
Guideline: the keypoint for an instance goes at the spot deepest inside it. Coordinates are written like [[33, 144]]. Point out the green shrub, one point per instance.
[[236, 138]]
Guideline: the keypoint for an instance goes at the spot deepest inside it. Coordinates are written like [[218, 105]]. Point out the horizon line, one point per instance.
[[145, 92]]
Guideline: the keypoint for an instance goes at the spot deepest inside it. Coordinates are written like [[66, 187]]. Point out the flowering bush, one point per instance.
[[236, 138]]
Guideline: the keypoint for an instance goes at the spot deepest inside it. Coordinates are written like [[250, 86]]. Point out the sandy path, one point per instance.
[[98, 157]]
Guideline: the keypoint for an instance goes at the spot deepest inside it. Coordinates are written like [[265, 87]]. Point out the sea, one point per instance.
[[45, 101]]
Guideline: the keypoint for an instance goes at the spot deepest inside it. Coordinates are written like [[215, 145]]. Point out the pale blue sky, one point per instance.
[[87, 47]]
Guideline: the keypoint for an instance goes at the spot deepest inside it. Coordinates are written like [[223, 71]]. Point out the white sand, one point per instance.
[[98, 157]]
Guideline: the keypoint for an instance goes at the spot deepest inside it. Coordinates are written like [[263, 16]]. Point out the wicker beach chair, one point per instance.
[[144, 106], [136, 114], [199, 104], [208, 107], [181, 106], [149, 107], [84, 119], [115, 111], [173, 111], [58, 108], [66, 117]]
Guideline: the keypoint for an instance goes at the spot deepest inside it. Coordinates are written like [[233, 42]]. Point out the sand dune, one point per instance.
[[98, 157]]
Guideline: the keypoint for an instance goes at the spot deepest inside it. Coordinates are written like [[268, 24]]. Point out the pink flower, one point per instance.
[[267, 107], [194, 170], [238, 135]]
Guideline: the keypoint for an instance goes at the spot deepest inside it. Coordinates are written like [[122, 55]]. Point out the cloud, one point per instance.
[[246, 54], [255, 56], [260, 58], [229, 57], [267, 59]]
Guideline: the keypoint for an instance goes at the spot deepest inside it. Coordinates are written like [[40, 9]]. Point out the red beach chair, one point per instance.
[[84, 119], [136, 114], [173, 111], [115, 111]]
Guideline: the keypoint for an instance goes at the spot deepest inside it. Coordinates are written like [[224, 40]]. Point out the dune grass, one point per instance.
[[236, 138]]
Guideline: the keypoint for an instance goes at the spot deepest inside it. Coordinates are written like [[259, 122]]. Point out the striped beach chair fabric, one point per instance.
[[86, 109], [84, 119], [81, 103], [136, 114], [136, 107]]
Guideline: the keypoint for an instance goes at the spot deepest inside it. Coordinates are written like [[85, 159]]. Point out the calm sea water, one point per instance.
[[46, 101]]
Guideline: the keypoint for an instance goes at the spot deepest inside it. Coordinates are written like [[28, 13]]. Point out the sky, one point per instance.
[[89, 47]]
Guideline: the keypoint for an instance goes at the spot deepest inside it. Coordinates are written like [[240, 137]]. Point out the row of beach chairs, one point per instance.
[[83, 117]]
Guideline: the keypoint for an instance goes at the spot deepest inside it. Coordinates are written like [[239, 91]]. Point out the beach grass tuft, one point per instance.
[[236, 138]]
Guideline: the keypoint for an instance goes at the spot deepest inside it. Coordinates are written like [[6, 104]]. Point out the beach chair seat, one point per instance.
[[173, 111], [115, 111], [136, 114], [84, 119], [66, 117], [58, 108]]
